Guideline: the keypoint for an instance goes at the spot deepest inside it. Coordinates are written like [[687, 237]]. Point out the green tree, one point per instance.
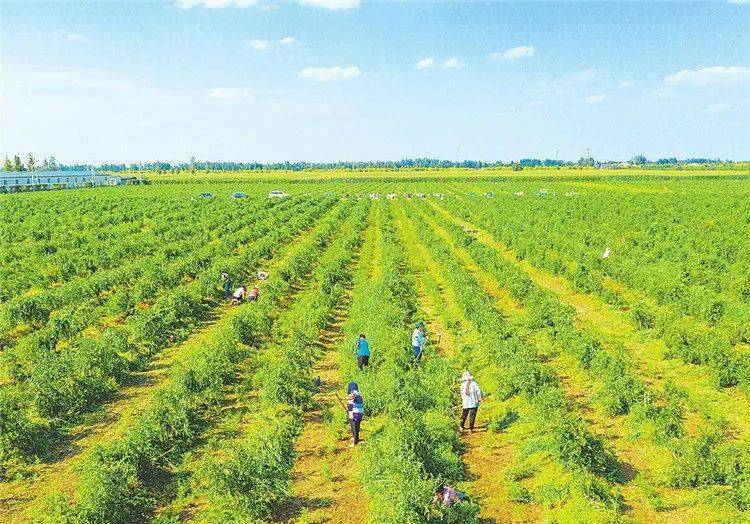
[[638, 160], [192, 164], [17, 165], [30, 162], [7, 164], [53, 164]]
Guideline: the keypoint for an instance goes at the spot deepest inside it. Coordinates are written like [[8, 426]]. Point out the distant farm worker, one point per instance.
[[363, 352], [417, 341], [446, 496], [226, 281], [239, 295], [254, 294], [355, 408], [471, 396]]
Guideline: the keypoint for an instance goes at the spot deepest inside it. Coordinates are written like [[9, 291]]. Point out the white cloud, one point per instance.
[[738, 2], [514, 53], [595, 99], [425, 63], [537, 103], [718, 107], [257, 45], [328, 74], [453, 63], [214, 4], [287, 40], [627, 84], [708, 76], [331, 5]]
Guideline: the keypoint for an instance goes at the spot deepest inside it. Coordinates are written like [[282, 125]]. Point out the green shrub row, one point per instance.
[[248, 476], [121, 481], [416, 447], [62, 384], [693, 459], [518, 370]]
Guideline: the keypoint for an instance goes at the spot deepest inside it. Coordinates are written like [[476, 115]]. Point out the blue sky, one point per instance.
[[332, 80]]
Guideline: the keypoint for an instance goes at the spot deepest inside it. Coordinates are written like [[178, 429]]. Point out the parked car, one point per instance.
[[277, 194], [238, 195], [206, 195]]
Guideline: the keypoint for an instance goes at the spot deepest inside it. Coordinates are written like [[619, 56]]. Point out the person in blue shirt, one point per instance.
[[417, 341], [362, 352], [355, 410]]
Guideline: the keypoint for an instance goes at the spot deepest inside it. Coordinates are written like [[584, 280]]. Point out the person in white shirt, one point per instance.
[[239, 295], [471, 397]]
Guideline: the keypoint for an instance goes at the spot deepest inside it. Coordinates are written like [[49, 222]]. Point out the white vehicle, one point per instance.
[[420, 195], [277, 194], [390, 196], [374, 196], [519, 194]]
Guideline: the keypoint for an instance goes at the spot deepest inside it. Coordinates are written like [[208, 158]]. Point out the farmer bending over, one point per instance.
[[355, 409], [446, 496], [239, 295]]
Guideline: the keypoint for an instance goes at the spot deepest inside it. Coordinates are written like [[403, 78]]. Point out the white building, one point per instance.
[[13, 181]]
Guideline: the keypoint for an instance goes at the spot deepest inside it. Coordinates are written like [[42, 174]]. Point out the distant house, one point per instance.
[[14, 181]]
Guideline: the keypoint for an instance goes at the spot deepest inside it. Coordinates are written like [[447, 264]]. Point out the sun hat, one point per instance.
[[420, 324], [466, 376]]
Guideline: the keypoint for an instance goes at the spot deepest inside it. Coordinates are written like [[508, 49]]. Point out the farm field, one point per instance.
[[606, 317]]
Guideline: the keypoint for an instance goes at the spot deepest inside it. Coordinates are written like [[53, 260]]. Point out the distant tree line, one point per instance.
[[48, 164], [192, 166]]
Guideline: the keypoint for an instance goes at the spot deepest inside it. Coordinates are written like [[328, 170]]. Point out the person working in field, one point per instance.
[[227, 283], [355, 409], [471, 397], [362, 350], [446, 496], [417, 341], [239, 295], [254, 294]]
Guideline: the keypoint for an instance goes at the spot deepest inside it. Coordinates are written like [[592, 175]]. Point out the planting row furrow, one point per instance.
[[121, 481], [243, 472], [65, 382], [658, 435], [531, 406]]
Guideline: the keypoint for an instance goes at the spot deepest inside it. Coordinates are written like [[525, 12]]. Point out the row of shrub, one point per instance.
[[245, 474], [77, 236], [121, 481], [670, 313], [415, 447], [511, 367], [179, 255], [692, 460], [60, 383]]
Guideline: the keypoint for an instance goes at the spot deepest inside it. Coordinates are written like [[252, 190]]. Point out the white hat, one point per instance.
[[466, 376]]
